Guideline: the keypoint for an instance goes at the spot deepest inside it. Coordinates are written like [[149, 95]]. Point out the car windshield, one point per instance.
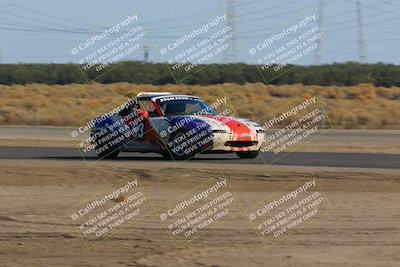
[[184, 106]]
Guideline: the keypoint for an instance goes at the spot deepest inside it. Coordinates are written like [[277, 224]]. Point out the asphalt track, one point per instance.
[[358, 160]]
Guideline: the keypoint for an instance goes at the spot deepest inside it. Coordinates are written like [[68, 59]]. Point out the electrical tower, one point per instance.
[[230, 53], [318, 50], [362, 51]]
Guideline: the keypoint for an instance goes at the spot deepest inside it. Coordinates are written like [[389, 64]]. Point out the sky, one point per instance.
[[45, 31]]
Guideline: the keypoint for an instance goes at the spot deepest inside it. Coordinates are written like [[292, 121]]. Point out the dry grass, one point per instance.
[[362, 106]]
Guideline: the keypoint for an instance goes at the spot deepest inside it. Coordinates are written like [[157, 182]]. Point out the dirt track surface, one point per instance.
[[361, 229]]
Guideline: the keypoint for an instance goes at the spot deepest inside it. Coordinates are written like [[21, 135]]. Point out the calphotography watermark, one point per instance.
[[286, 47], [106, 49], [111, 211], [198, 211], [277, 217], [195, 49], [297, 123], [105, 134]]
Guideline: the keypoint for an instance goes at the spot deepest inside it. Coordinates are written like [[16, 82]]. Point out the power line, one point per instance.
[[24, 23], [63, 19]]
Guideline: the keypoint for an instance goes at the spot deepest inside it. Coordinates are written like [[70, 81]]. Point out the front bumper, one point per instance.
[[230, 143]]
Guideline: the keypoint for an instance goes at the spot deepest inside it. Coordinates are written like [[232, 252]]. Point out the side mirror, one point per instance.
[[144, 113]]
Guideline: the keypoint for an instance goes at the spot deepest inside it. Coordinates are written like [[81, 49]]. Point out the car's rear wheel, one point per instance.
[[247, 154], [106, 151], [109, 154]]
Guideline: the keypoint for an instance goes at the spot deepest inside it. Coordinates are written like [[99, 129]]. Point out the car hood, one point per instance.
[[240, 127]]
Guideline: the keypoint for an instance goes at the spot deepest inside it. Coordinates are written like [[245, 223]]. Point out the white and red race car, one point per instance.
[[175, 126]]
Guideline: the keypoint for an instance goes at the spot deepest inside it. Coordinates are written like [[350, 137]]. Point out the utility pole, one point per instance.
[[362, 51], [318, 50], [146, 53], [231, 50]]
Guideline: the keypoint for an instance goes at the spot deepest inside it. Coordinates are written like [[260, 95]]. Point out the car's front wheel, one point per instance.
[[184, 145], [247, 154], [108, 154], [179, 148]]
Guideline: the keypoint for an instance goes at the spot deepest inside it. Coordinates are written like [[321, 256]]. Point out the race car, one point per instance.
[[175, 126]]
